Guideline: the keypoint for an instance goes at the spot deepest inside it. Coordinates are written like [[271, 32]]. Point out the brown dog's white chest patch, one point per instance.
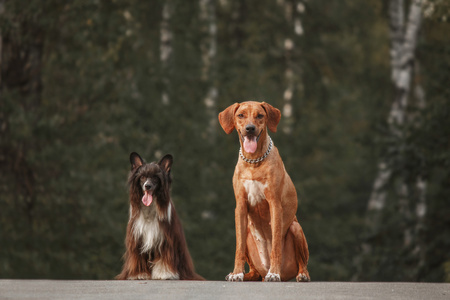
[[255, 191]]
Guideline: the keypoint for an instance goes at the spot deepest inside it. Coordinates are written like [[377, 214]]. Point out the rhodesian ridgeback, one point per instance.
[[268, 236]]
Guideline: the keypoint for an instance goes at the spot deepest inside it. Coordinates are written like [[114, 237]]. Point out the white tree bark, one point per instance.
[[421, 210], [165, 49], [209, 53], [292, 13], [403, 44], [289, 91], [421, 184]]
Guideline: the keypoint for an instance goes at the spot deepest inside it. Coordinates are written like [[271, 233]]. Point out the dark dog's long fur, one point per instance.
[[155, 244]]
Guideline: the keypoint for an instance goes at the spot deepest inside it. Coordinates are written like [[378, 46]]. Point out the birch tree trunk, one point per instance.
[[403, 40], [209, 53], [292, 11], [420, 185], [208, 47], [165, 50], [403, 44]]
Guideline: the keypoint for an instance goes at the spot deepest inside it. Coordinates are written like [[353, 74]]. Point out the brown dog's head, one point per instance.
[[250, 120]]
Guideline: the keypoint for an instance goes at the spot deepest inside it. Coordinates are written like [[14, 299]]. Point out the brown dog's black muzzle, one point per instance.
[[250, 129]]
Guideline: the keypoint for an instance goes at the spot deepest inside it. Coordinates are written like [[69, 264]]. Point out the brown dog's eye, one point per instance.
[[240, 115], [260, 116]]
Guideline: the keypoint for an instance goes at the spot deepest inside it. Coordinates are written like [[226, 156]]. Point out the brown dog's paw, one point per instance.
[[272, 277], [303, 277], [235, 277]]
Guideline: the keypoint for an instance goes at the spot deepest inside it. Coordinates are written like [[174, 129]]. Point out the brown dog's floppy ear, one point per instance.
[[273, 116], [136, 161], [226, 118]]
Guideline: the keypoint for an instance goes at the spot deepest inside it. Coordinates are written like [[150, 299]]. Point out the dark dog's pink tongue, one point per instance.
[[147, 199], [250, 144]]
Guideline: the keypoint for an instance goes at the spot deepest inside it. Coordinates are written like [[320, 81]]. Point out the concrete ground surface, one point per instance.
[[90, 289]]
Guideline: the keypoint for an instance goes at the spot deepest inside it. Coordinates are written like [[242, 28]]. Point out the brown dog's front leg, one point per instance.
[[241, 220], [276, 213]]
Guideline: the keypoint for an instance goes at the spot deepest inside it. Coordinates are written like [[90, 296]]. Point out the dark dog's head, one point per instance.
[[250, 120], [149, 181]]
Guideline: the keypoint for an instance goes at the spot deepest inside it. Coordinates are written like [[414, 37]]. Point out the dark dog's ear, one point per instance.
[[136, 161], [226, 118], [273, 116], [166, 163]]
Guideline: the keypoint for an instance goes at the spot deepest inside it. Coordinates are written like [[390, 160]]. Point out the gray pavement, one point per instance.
[[89, 289]]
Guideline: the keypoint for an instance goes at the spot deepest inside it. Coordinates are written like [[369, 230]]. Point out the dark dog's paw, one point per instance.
[[302, 277], [141, 276], [272, 277], [235, 277]]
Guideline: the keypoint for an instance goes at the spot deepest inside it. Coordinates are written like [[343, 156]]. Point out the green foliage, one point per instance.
[[65, 142]]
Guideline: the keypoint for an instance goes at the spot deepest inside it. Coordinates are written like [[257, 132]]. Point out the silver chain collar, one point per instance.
[[260, 159]]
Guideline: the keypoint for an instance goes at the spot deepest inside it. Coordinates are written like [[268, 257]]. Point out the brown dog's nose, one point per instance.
[[250, 128]]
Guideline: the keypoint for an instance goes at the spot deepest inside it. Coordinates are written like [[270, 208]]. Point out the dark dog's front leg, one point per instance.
[[136, 263], [241, 220]]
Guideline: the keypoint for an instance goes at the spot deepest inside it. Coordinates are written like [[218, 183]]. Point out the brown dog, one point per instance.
[[268, 235]]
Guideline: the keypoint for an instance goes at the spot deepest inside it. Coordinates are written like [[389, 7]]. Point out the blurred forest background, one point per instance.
[[364, 90]]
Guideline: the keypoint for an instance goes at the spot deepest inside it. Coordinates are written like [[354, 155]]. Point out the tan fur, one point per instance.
[[268, 236]]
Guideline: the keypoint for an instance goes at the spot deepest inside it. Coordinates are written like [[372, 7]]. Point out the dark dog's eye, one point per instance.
[[240, 115], [260, 116]]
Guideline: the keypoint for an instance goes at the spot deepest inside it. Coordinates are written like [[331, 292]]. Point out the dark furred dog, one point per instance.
[[155, 244]]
